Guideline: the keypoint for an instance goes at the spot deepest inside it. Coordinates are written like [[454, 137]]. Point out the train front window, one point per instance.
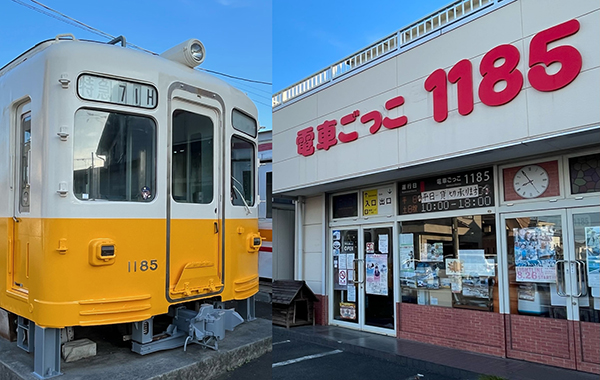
[[192, 158], [114, 156], [242, 172]]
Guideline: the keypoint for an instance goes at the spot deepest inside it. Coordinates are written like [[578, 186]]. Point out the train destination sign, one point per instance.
[[463, 190], [116, 91]]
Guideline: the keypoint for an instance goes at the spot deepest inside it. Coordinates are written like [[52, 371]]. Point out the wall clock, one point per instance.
[[530, 181]]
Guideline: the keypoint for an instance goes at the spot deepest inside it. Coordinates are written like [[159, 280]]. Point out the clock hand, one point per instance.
[[530, 180]]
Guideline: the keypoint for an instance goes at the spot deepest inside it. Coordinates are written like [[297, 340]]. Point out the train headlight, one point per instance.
[[190, 53], [197, 51]]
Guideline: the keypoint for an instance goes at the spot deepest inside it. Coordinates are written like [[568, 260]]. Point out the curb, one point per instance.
[[219, 364]]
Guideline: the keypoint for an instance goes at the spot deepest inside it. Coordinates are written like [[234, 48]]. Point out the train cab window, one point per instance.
[[192, 158], [243, 123], [24, 186], [114, 156], [242, 172]]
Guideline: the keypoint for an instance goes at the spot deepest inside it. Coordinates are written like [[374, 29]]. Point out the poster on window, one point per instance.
[[351, 293], [592, 248], [433, 252], [383, 244], [535, 254], [407, 252], [376, 274], [474, 263], [348, 310], [476, 287]]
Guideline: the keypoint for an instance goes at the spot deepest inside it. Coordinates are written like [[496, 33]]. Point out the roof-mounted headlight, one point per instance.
[[190, 53]]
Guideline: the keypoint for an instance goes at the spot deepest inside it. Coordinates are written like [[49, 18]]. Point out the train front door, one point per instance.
[[22, 230], [194, 211]]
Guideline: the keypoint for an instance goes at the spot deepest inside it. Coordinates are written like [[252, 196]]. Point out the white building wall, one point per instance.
[[312, 256], [532, 114]]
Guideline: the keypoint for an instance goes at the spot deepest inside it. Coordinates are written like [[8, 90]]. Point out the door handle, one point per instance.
[[560, 278], [216, 228], [356, 271], [581, 283]]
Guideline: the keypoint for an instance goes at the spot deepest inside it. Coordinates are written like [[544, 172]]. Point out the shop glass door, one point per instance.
[[553, 272], [363, 287]]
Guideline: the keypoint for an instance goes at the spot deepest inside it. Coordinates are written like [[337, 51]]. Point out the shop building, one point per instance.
[[447, 182]]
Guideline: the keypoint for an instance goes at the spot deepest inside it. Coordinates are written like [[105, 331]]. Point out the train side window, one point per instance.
[[114, 156], [243, 123], [242, 172], [192, 171], [25, 143]]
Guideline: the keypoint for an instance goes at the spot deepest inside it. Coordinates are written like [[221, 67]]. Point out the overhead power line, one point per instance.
[[234, 77], [48, 11]]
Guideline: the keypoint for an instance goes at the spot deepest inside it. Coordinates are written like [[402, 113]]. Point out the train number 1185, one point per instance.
[[144, 265]]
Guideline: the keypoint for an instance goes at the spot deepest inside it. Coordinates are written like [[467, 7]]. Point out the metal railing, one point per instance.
[[428, 25]]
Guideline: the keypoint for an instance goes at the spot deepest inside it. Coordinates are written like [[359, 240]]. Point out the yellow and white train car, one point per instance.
[[128, 184]]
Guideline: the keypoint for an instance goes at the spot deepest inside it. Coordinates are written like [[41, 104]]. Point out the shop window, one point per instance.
[[114, 157], [450, 262], [345, 205], [585, 174]]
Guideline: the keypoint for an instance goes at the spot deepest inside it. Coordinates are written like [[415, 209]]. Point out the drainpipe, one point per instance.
[[299, 244]]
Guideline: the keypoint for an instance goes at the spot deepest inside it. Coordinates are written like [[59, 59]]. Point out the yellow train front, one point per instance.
[[128, 182]]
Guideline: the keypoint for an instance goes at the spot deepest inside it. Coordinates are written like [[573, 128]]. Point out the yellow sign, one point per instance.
[[370, 202]]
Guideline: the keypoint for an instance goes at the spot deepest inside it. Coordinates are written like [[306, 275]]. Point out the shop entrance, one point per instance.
[[362, 273], [554, 286]]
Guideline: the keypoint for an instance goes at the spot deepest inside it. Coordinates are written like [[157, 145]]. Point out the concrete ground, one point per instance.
[[247, 342]]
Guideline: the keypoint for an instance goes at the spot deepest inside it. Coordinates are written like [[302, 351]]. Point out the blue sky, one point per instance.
[[310, 35], [236, 33]]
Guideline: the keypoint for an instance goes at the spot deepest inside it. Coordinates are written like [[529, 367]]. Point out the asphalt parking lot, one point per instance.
[[298, 360]]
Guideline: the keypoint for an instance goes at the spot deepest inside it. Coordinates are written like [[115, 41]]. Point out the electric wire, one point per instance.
[[76, 23]]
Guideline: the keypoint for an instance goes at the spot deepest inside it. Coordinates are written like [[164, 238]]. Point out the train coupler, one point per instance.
[[205, 327]]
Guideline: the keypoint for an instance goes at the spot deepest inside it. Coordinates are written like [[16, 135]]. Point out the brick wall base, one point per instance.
[[469, 330], [556, 342], [321, 310]]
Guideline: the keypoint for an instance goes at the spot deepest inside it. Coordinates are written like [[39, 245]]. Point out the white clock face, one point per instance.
[[531, 181]]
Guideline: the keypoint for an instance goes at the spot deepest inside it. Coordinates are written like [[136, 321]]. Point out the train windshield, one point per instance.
[[114, 156]]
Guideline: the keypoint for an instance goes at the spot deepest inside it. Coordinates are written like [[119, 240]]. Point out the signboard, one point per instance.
[[116, 91], [455, 191], [378, 201]]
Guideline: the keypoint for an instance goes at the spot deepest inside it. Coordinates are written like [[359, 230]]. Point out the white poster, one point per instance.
[[351, 293], [474, 263], [383, 244], [343, 261], [350, 261], [376, 273]]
